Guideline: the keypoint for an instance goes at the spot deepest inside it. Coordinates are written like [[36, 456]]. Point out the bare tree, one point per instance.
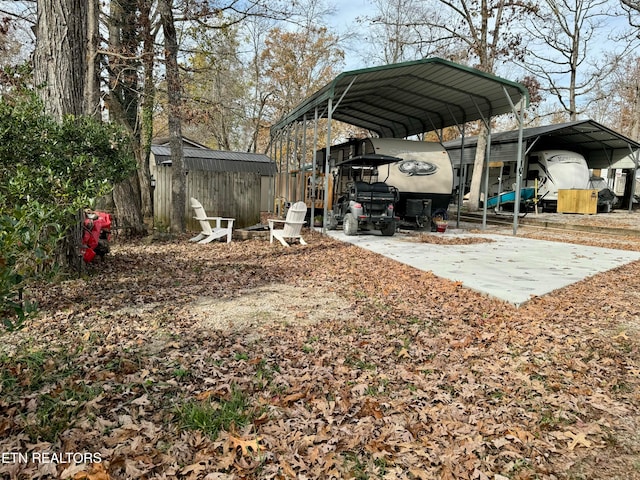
[[620, 108], [215, 86], [122, 97], [260, 91], [480, 33], [564, 50], [632, 8], [484, 33], [148, 32], [241, 76], [398, 31]]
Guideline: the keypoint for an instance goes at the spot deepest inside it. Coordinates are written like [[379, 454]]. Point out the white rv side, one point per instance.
[[554, 169], [425, 171]]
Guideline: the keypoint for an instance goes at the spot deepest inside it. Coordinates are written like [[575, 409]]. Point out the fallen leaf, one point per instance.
[[579, 439], [246, 445], [143, 400]]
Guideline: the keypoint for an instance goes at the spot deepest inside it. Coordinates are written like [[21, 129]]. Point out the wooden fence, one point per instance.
[[226, 194]]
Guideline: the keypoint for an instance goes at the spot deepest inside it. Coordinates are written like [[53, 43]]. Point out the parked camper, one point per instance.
[[553, 169], [423, 176]]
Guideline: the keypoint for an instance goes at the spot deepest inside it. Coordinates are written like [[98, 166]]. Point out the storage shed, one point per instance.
[[228, 184]]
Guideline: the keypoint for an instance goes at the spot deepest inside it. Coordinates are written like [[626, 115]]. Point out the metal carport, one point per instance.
[[600, 146], [399, 101]]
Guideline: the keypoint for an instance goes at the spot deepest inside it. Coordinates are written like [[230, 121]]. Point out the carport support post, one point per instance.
[[314, 164], [460, 180], [326, 165], [633, 180], [487, 159], [272, 188], [282, 192], [288, 160], [276, 176], [296, 150], [519, 111], [296, 159], [304, 155]]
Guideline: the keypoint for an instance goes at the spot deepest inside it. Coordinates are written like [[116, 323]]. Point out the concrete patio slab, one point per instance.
[[513, 269]]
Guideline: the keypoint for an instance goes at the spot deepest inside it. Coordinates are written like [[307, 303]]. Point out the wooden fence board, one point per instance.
[[228, 194]]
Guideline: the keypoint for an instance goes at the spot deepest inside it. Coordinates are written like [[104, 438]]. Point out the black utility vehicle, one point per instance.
[[364, 205]]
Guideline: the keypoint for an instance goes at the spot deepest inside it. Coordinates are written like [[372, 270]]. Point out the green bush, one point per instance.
[[48, 171]]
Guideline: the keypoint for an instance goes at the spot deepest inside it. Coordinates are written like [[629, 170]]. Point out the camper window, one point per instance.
[[533, 174]]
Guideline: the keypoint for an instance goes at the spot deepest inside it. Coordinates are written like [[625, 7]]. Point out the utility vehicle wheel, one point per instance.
[[388, 229], [332, 222], [350, 225]]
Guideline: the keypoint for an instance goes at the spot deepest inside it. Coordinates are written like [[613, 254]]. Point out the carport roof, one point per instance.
[[601, 146], [409, 98]]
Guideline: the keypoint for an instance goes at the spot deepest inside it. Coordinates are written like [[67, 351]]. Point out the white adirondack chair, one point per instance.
[[210, 233], [292, 225]]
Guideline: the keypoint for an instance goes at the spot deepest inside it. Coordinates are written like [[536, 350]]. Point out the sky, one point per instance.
[[349, 10], [344, 21]]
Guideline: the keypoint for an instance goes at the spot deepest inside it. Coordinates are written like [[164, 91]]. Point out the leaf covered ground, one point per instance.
[[250, 360]]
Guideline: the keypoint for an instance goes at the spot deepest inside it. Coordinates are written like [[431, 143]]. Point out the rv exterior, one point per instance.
[[554, 169], [423, 176]]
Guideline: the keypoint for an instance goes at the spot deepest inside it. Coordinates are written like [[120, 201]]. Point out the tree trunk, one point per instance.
[[126, 199], [65, 67], [148, 100], [92, 81], [178, 177], [124, 104], [478, 167], [60, 58]]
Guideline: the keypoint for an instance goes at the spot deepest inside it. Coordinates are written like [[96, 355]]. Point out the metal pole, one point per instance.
[[304, 155], [296, 160], [272, 182], [326, 165], [486, 177], [633, 180], [516, 206], [288, 161], [460, 180], [281, 176], [314, 165]]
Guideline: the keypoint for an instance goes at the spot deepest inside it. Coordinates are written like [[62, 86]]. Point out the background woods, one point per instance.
[[234, 68]]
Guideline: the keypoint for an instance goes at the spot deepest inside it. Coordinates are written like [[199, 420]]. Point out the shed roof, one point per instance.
[[187, 142], [204, 159], [409, 98], [601, 146]]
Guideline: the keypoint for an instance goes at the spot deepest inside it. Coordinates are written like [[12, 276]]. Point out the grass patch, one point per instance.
[[264, 374], [212, 416], [355, 466], [51, 379], [58, 411], [30, 371]]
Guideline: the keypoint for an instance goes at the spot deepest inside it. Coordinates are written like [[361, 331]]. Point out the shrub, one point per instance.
[[48, 171]]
